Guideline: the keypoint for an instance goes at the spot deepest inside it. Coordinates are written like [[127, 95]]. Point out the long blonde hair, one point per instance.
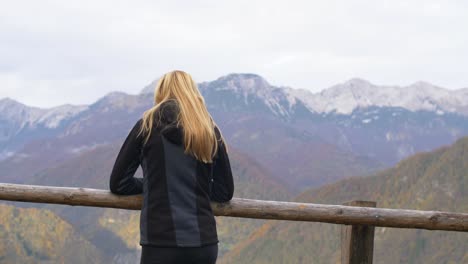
[[198, 125]]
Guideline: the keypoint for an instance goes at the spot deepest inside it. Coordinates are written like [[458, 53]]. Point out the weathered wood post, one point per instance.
[[357, 241]]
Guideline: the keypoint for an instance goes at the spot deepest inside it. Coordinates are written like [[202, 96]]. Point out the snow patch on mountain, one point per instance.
[[84, 148], [356, 93], [254, 88], [53, 117], [342, 98], [27, 116]]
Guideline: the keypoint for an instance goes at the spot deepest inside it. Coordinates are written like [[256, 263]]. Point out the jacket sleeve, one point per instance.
[[222, 189], [121, 179]]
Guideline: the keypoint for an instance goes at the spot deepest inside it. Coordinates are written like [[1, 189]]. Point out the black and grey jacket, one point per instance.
[[177, 188]]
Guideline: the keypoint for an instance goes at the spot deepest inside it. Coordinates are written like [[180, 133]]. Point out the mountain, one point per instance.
[[33, 117], [355, 93], [271, 125], [434, 180], [247, 92], [95, 126], [311, 146], [254, 127], [251, 93], [342, 98], [280, 127], [389, 134], [20, 123], [39, 236], [281, 146]]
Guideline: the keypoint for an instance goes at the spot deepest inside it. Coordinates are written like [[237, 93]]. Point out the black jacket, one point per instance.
[[177, 188]]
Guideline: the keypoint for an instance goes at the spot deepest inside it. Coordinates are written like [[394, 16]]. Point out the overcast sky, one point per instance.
[[56, 52]]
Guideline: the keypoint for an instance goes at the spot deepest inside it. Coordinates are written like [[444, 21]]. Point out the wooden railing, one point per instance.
[[359, 217]]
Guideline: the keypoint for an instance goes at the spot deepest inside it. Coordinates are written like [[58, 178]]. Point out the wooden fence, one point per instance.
[[358, 217]]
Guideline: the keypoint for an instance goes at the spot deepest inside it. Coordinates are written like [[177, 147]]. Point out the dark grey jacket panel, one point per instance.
[[177, 188], [222, 184]]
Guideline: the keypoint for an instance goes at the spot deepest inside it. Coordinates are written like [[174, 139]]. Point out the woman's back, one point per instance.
[[183, 170], [177, 210]]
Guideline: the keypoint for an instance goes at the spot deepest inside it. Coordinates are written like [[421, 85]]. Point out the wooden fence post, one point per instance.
[[357, 241]]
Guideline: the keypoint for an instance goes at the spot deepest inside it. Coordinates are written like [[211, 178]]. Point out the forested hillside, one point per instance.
[[34, 235], [436, 180]]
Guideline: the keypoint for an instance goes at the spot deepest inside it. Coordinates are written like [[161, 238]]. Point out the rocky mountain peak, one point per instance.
[[245, 83]]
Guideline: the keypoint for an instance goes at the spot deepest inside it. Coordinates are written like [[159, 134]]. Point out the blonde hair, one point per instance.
[[199, 135]]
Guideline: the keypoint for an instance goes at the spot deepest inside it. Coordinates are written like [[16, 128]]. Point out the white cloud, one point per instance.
[[55, 52]]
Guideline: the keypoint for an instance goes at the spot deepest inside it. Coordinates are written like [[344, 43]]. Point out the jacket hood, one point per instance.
[[167, 114]]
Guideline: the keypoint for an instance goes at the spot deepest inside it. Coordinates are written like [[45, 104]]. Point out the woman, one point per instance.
[[185, 166]]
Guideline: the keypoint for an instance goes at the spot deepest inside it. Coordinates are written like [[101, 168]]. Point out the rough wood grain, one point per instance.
[[357, 241], [249, 208]]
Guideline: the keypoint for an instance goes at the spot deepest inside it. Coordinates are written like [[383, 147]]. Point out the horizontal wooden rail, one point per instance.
[[249, 208]]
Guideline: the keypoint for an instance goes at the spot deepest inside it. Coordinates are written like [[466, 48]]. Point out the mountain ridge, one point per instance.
[[345, 97], [341, 98], [253, 114]]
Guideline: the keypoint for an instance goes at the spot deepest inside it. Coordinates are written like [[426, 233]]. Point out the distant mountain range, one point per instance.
[[357, 93], [305, 139], [342, 98], [280, 145]]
